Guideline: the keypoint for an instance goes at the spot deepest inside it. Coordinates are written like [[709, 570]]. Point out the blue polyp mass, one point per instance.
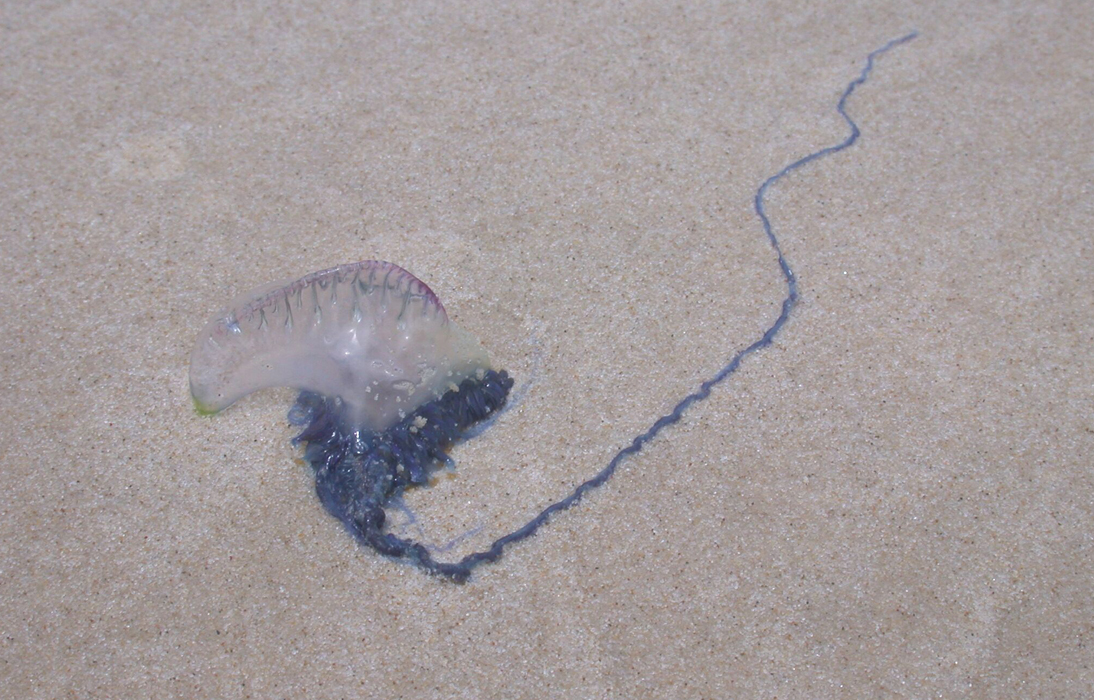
[[357, 473]]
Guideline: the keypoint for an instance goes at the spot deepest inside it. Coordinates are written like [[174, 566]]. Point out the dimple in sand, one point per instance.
[[389, 383]]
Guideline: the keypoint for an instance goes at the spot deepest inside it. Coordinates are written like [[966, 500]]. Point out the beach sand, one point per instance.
[[894, 499]]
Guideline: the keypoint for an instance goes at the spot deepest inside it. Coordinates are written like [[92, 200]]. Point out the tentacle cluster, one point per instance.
[[358, 471]]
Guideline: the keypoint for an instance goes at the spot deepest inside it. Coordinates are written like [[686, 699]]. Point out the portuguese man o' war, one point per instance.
[[388, 383]]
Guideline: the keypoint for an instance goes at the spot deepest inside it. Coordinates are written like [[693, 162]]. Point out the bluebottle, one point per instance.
[[388, 383]]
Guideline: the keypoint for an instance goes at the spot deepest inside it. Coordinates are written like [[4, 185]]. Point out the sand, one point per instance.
[[893, 500]]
